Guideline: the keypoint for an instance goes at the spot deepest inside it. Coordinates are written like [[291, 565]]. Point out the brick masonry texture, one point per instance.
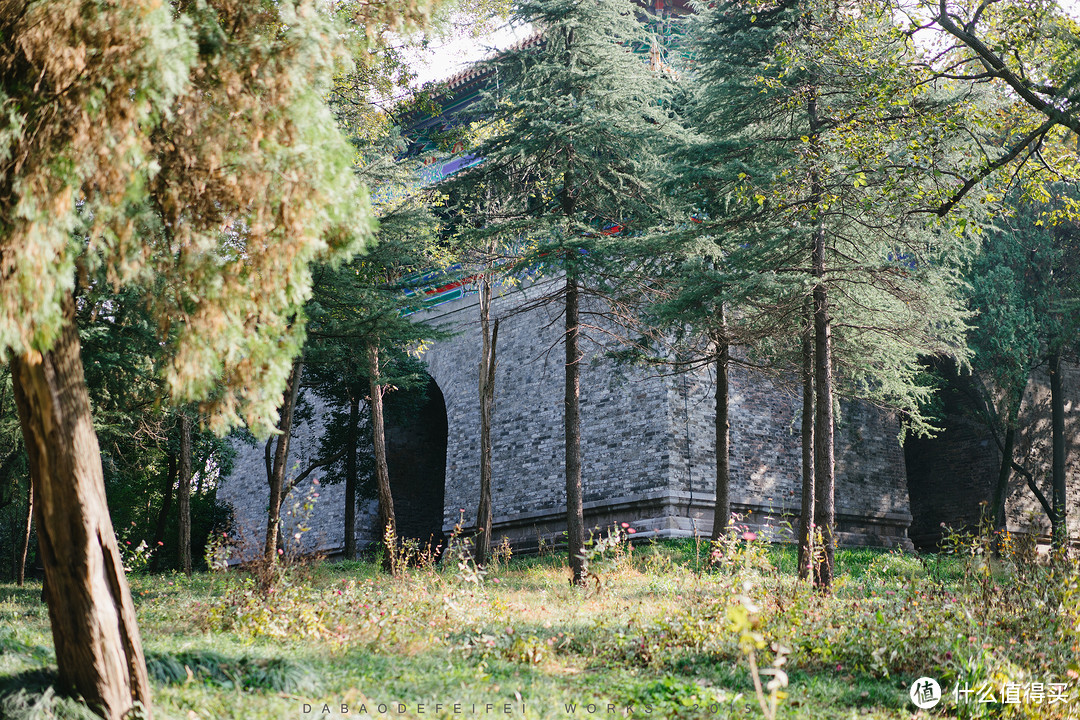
[[953, 474], [321, 528], [647, 442]]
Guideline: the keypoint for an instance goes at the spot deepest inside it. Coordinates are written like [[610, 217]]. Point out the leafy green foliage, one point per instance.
[[222, 163], [569, 136], [810, 120]]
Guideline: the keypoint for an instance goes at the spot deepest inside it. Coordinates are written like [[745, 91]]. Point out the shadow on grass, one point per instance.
[[28, 594], [32, 695], [247, 673]]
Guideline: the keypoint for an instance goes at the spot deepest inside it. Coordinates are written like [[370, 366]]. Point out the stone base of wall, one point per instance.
[[680, 515]]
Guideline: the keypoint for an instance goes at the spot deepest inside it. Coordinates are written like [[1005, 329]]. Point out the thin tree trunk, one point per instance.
[[1059, 526], [722, 506], [166, 508], [487, 404], [351, 476], [183, 493], [806, 509], [20, 572], [387, 521], [276, 466], [575, 517], [1004, 473], [98, 648], [824, 459]]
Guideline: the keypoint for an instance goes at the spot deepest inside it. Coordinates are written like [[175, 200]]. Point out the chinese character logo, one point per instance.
[[925, 693]]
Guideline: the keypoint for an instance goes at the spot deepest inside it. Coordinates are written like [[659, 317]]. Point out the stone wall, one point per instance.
[[247, 492], [766, 459], [950, 476], [626, 449], [647, 443]]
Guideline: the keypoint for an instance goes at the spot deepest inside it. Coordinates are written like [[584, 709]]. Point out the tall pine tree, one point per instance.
[[818, 156], [572, 153]]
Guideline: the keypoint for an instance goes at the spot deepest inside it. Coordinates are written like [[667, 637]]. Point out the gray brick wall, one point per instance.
[[646, 442]]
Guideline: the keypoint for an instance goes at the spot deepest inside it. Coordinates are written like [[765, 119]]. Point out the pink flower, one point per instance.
[[625, 525], [631, 531], [280, 551], [160, 543], [749, 536]]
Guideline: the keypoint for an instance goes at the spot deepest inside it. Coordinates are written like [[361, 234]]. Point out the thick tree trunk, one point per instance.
[[824, 459], [487, 405], [351, 476], [20, 571], [387, 521], [1059, 526], [806, 509], [575, 518], [98, 649], [183, 493], [276, 466], [166, 508], [722, 506]]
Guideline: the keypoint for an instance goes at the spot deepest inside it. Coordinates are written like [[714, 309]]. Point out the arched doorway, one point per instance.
[[951, 474], [416, 433]]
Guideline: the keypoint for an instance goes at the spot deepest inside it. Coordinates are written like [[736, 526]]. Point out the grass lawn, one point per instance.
[[661, 632]]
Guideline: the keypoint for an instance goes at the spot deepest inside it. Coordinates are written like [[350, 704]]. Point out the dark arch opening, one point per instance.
[[950, 475], [416, 433]]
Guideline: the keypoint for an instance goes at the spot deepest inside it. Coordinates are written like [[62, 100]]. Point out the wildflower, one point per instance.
[[749, 536], [625, 525], [297, 536], [160, 543], [280, 551], [631, 531], [315, 481]]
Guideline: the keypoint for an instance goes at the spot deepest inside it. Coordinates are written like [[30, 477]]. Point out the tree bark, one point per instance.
[[166, 508], [183, 493], [575, 517], [824, 458], [387, 521], [351, 476], [806, 508], [20, 571], [276, 466], [722, 506], [1059, 528], [98, 648], [490, 336], [1004, 473]]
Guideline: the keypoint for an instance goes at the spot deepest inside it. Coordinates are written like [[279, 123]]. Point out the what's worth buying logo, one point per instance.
[[925, 693]]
